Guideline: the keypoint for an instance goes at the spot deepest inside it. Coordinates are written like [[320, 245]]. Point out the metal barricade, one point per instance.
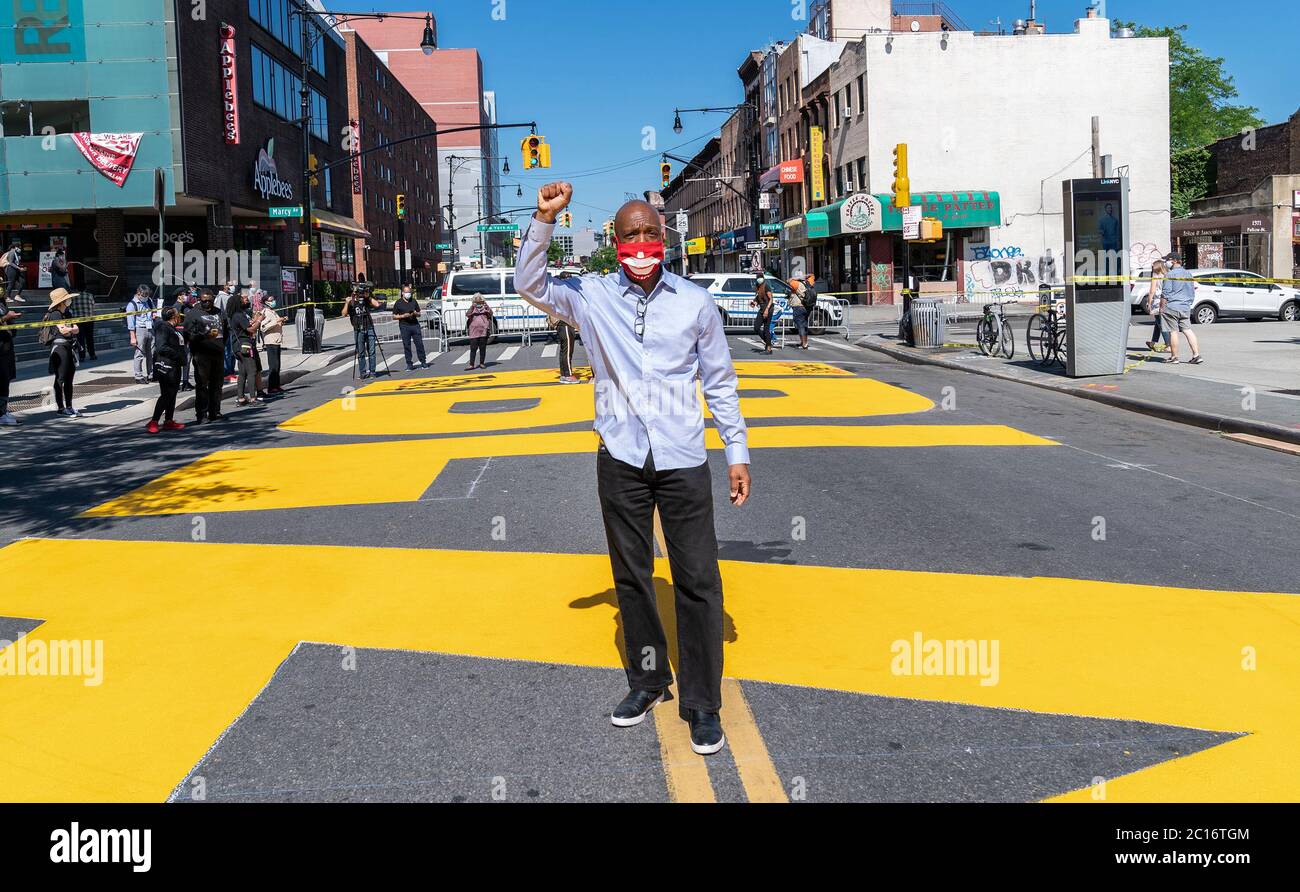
[[387, 329], [927, 322], [431, 321], [835, 313]]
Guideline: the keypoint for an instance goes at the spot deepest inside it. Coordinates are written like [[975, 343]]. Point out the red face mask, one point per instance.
[[640, 259]]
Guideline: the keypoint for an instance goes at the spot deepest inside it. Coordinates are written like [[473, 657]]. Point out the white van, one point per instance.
[[510, 312]]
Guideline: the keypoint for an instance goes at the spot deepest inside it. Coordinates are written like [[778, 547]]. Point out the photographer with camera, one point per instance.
[[357, 308]]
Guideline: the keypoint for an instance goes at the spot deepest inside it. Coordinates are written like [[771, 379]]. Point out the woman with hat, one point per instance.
[[478, 324], [62, 338]]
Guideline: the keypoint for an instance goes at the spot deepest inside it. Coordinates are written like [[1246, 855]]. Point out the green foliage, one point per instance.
[[603, 260], [1200, 93], [555, 253], [1191, 178]]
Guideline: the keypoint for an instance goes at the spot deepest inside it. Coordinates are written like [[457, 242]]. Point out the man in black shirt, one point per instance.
[[407, 313], [203, 329]]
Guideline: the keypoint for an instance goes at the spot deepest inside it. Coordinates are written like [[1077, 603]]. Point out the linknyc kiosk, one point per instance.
[[1096, 296]]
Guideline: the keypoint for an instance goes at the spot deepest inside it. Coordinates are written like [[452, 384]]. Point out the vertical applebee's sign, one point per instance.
[[229, 86]]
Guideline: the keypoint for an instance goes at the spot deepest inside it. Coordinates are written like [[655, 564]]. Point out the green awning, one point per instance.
[[864, 213]]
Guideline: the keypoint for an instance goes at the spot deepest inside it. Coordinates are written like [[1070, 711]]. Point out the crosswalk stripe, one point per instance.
[[507, 353], [750, 341], [464, 357], [831, 343], [342, 367], [551, 350]]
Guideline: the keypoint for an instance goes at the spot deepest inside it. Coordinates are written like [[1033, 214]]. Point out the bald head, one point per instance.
[[637, 221]]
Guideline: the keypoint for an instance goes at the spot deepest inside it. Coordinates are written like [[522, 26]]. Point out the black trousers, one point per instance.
[[478, 346], [763, 328], [4, 393], [168, 384], [273, 366], [209, 376], [246, 384], [564, 334], [628, 498], [411, 334], [86, 339], [64, 368]]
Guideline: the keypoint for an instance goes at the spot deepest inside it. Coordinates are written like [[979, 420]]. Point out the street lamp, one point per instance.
[[428, 43], [752, 199], [505, 167], [310, 36], [677, 121]]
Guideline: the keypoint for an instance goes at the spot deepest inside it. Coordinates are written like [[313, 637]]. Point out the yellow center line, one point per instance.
[[757, 773], [686, 773]]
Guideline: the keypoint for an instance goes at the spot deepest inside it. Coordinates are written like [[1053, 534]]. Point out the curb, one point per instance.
[[1223, 424]]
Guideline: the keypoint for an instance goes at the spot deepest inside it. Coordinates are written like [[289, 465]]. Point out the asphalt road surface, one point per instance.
[[945, 587]]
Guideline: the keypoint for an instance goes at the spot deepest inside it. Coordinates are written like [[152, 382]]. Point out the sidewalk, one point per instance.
[[1249, 383], [106, 391]]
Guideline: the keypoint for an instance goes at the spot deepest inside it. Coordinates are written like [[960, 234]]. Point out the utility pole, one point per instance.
[[305, 97], [1096, 148]]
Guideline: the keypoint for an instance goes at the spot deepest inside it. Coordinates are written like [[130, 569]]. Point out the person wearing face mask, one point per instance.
[[204, 329], [168, 357], [650, 334], [407, 313], [272, 327]]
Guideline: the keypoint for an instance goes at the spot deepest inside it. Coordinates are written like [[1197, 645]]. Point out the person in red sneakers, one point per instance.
[[168, 357]]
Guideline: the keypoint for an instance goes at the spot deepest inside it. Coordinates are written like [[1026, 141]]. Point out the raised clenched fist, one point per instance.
[[551, 199]]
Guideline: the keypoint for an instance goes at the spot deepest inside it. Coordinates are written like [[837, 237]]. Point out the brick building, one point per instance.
[[449, 86], [1251, 218], [383, 111]]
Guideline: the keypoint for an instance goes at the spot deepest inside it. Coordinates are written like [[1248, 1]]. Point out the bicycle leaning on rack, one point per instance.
[[1045, 336], [993, 333]]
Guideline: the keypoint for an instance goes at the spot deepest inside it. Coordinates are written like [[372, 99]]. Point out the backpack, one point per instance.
[[808, 297], [45, 335], [4, 260]]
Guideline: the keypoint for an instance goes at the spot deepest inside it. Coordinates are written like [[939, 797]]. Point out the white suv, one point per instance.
[[510, 312], [732, 292], [1231, 292]]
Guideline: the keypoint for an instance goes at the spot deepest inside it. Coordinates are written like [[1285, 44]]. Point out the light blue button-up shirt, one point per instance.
[[646, 397]]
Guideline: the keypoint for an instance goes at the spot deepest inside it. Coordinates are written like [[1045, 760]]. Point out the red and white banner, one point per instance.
[[112, 154], [229, 86], [353, 145]]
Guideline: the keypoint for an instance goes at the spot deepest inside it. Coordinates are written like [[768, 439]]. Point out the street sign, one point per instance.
[[442, 246], [756, 246], [283, 212], [682, 221], [769, 227], [912, 222], [498, 227]]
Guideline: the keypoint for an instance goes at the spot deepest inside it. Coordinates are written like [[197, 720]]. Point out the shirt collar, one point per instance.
[[667, 281]]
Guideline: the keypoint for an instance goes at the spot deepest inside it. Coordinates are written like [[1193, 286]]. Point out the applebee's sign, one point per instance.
[[229, 86], [266, 176]]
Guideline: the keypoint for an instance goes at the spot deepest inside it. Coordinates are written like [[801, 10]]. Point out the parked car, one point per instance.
[[1229, 293], [732, 292], [511, 314]]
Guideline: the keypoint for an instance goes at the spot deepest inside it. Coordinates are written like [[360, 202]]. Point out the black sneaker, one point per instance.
[[706, 731], [635, 706]]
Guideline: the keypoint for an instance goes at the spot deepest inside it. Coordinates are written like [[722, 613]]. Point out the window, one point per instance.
[[277, 89], [32, 118], [744, 285], [486, 284], [275, 17], [848, 101], [862, 172], [862, 95]]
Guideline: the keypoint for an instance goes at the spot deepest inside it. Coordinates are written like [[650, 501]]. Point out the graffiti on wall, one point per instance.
[[1008, 272]]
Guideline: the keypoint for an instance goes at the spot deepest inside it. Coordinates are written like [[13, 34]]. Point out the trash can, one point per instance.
[[927, 322]]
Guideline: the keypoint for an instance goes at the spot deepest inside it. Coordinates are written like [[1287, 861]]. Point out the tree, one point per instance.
[[1200, 112], [555, 253], [1200, 93], [603, 260]]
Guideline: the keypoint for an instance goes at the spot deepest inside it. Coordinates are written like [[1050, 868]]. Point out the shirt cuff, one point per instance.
[[737, 454], [543, 230]]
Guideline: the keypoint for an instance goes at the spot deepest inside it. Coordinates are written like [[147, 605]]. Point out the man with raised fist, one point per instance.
[[650, 335]]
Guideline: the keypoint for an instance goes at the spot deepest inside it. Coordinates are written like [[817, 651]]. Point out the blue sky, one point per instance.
[[593, 73]]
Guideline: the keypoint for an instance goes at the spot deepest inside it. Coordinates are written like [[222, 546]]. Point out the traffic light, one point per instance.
[[536, 152], [566, 220], [401, 206], [931, 229], [313, 165], [902, 185], [666, 170]]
